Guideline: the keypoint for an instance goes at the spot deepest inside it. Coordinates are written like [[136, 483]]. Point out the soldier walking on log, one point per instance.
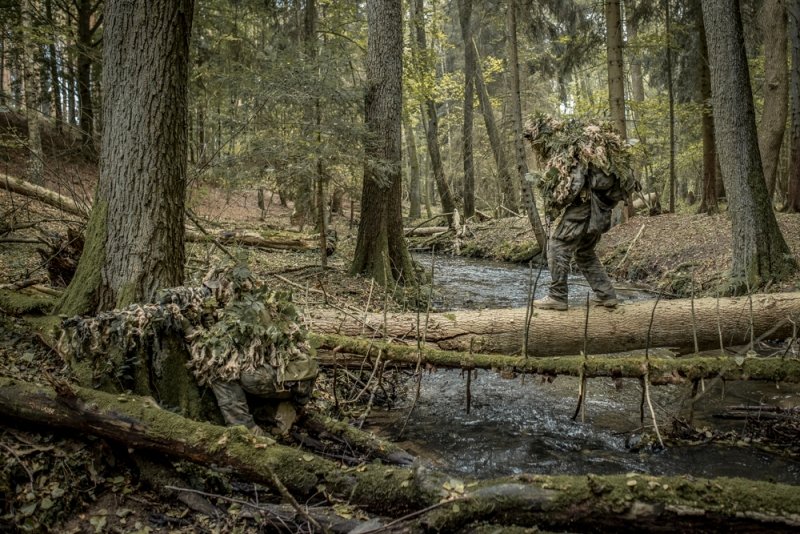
[[586, 175]]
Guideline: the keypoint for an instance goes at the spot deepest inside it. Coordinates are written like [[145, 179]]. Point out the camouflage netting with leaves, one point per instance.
[[231, 324], [564, 144]]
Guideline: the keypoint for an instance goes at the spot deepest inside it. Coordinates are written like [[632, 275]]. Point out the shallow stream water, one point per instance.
[[525, 424]]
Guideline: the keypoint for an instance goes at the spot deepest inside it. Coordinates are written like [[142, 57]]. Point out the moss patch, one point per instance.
[[18, 303]]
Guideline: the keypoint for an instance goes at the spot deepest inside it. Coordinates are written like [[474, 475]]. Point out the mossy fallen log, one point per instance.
[[25, 302], [553, 333], [428, 500], [634, 365]]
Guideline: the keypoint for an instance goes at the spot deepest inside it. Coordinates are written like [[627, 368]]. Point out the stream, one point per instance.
[[525, 424]]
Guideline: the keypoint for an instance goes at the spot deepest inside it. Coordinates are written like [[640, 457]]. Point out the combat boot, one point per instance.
[[607, 302], [549, 303]]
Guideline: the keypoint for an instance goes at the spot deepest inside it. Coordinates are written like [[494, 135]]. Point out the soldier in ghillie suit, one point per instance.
[[241, 337], [586, 173]]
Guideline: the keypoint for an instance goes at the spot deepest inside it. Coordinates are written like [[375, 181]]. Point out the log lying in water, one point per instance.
[[428, 500], [552, 332], [661, 370]]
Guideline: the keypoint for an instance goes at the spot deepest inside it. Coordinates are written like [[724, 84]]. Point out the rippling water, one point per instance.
[[524, 425]]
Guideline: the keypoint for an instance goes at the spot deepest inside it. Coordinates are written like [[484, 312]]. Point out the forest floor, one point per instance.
[[50, 480]]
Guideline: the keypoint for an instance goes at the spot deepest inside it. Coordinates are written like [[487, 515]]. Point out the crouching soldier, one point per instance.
[[253, 352], [260, 394]]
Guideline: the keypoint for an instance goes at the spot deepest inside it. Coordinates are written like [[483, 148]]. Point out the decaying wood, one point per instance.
[[425, 231], [428, 500], [44, 195], [662, 370], [282, 241], [554, 333]]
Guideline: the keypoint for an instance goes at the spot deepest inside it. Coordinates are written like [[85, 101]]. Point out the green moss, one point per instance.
[[82, 294], [18, 303]]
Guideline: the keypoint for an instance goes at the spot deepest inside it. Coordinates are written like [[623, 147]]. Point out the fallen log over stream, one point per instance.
[[424, 499], [553, 333], [659, 370]]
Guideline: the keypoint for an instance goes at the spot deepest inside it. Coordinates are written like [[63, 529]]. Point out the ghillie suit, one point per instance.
[[586, 173], [240, 335], [564, 145]]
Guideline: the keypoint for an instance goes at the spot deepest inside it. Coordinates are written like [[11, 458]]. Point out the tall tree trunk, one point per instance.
[[519, 145], [55, 76], [465, 18], [72, 96], [632, 31], [793, 190], [503, 173], [616, 75], [775, 89], [381, 250], [430, 116], [413, 165], [760, 254], [135, 236], [616, 80], [671, 92], [709, 203], [35, 164], [85, 51], [3, 63]]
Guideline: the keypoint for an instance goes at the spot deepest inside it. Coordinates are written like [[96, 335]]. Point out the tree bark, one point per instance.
[[85, 50], [35, 165], [574, 503], [709, 203], [465, 19], [507, 188], [760, 253], [55, 75], [793, 190], [616, 79], [555, 333], [775, 89], [430, 116], [381, 250], [671, 93], [413, 165], [134, 239], [519, 143]]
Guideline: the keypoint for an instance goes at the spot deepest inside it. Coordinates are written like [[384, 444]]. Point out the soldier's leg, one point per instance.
[[232, 403], [559, 255], [593, 270]]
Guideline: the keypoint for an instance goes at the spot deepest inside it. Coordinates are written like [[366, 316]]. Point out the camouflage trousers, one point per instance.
[[232, 398], [559, 257]]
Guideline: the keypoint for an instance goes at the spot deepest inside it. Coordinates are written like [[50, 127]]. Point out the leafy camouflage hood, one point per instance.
[[231, 324], [564, 144]]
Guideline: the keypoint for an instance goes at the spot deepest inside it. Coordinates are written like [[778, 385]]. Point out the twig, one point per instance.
[[646, 378], [580, 408], [625, 257], [213, 239], [694, 319]]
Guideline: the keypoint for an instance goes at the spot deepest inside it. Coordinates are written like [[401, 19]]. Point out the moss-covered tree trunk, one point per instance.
[[381, 250], [134, 239], [760, 253], [425, 500], [465, 18]]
